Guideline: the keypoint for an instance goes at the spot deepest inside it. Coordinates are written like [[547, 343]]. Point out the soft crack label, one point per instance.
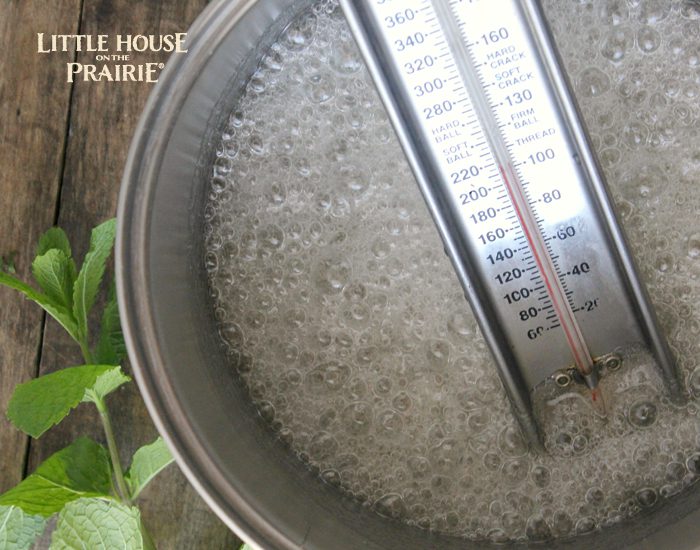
[[112, 55]]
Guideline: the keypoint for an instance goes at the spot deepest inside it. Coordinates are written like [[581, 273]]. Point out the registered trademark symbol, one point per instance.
[[161, 65]]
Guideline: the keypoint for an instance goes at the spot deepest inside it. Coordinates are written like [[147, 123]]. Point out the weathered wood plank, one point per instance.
[[103, 119], [34, 99]]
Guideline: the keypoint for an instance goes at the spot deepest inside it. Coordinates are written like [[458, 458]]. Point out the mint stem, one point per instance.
[[85, 349], [122, 489], [148, 543]]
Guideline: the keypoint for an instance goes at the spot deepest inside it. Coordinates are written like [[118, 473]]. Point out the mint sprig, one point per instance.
[[18, 529], [88, 282], [98, 524], [81, 469], [147, 463], [41, 403], [84, 484]]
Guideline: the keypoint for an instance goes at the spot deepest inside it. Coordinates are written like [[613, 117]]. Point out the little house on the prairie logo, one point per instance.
[[112, 54]]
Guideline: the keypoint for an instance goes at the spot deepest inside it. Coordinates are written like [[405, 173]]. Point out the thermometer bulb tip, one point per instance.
[[598, 401]]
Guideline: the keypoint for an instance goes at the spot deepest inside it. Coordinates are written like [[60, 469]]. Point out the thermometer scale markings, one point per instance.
[[546, 287], [519, 203], [557, 293]]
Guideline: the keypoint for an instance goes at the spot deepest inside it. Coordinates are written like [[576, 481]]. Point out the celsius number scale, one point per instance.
[[482, 108]]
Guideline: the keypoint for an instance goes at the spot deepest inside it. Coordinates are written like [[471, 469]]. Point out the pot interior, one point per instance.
[[245, 470]]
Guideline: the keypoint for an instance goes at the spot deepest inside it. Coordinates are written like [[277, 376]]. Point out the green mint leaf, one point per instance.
[[111, 348], [17, 529], [39, 404], [245, 546], [105, 384], [57, 311], [54, 238], [88, 282], [98, 524], [147, 463], [55, 273], [80, 470]]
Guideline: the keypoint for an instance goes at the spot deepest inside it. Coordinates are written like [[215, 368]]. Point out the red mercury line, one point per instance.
[[473, 81], [567, 320]]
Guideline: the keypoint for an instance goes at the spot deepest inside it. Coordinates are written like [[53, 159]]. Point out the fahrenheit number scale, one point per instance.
[[484, 113]]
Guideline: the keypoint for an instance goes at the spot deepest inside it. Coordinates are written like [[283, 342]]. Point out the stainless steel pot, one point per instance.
[[249, 479]]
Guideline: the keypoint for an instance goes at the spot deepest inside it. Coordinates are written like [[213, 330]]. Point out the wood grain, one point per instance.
[[102, 119], [34, 100]]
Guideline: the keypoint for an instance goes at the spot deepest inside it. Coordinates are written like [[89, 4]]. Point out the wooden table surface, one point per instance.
[[63, 148]]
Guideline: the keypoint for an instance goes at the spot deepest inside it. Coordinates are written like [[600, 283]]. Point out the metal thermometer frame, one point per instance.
[[532, 10], [425, 168]]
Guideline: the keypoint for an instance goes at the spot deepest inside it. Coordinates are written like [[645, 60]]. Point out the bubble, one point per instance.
[[390, 505], [642, 414], [664, 263], [690, 9], [256, 144], [402, 402], [654, 11], [648, 39], [562, 524], [458, 324], [537, 529], [327, 376], [271, 237], [512, 521], [295, 318], [540, 476], [694, 383], [323, 445], [497, 535], [614, 12], [356, 180], [445, 455], [593, 82], [478, 421], [675, 471], [692, 57], [381, 248], [232, 334], [358, 417], [333, 275], [266, 410], [331, 476], [511, 442], [693, 246], [437, 353], [646, 497], [345, 58], [383, 385], [617, 43], [419, 466], [320, 88], [471, 399], [579, 444], [276, 194], [636, 134], [595, 495], [514, 471], [211, 262], [492, 461], [585, 525], [299, 34], [693, 463]]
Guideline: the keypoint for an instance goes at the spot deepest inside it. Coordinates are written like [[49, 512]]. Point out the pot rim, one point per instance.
[[131, 252]]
